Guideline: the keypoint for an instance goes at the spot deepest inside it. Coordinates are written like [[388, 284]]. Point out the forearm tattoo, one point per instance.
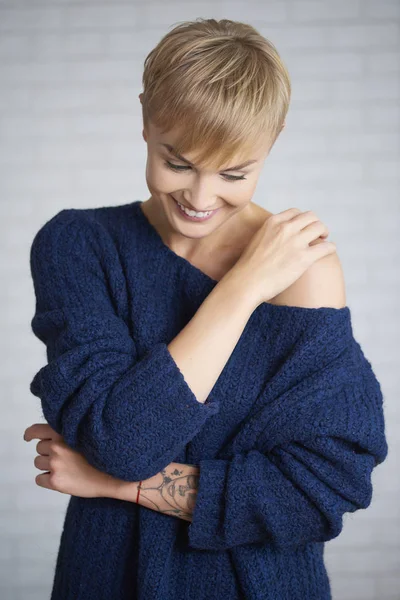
[[172, 491]]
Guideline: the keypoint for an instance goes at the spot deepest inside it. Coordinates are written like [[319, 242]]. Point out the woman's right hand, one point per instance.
[[279, 253]]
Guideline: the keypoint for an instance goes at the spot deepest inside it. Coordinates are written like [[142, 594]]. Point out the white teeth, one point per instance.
[[193, 213]]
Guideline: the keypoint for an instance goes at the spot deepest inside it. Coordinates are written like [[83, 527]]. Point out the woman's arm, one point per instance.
[[204, 346], [173, 491], [129, 412]]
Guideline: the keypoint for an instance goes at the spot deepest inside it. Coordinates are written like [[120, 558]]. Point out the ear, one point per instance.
[[144, 134], [284, 123]]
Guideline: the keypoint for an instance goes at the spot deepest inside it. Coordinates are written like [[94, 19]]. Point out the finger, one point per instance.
[[43, 480], [42, 463], [37, 431], [43, 447], [41, 431]]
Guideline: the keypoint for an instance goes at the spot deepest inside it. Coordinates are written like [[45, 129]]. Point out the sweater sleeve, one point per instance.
[[315, 448], [129, 415]]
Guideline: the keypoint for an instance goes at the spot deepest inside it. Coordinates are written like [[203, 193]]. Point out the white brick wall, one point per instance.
[[70, 126]]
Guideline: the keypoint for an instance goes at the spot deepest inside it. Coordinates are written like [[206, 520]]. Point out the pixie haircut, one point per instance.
[[221, 84]]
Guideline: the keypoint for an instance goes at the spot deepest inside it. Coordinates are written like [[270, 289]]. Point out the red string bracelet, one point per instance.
[[138, 492]]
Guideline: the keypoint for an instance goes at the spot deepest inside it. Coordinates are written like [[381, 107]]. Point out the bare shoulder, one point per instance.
[[322, 284]]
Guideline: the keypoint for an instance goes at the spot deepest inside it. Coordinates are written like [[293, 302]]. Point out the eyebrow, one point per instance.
[[185, 160]]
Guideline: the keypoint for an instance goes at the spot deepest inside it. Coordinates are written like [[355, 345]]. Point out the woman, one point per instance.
[[209, 410]]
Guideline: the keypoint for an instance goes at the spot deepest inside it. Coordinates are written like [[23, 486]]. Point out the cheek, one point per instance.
[[158, 178], [241, 192], [245, 190]]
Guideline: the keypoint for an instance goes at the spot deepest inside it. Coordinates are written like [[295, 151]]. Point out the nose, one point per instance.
[[201, 197]]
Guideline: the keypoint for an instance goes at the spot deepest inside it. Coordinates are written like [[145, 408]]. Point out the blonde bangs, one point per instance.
[[221, 85]]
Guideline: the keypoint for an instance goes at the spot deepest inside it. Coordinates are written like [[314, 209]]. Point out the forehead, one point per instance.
[[166, 141]]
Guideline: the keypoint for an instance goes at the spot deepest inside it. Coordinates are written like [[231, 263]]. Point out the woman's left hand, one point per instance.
[[68, 471]]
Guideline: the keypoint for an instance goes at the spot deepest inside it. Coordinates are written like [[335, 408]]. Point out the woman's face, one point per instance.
[[172, 180]]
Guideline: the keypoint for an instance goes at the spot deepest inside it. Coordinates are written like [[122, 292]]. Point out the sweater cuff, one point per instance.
[[172, 381], [209, 510]]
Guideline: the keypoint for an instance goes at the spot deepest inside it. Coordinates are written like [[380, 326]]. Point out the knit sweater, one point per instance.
[[286, 441]]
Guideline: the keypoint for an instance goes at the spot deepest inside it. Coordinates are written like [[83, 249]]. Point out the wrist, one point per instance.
[[238, 284], [111, 487], [126, 490]]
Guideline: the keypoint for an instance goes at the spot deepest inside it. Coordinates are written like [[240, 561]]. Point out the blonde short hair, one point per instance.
[[219, 82]]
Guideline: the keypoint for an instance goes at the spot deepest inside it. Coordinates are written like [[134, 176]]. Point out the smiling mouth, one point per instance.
[[188, 208]]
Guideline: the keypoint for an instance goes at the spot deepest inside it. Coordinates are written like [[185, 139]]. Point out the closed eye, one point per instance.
[[176, 168]]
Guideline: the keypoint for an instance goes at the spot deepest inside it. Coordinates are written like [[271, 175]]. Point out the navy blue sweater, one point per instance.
[[286, 441]]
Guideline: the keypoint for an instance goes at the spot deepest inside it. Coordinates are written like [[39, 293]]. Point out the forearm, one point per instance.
[[204, 345], [173, 491]]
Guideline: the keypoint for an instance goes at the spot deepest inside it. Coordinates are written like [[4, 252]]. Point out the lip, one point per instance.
[[212, 211], [198, 220]]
